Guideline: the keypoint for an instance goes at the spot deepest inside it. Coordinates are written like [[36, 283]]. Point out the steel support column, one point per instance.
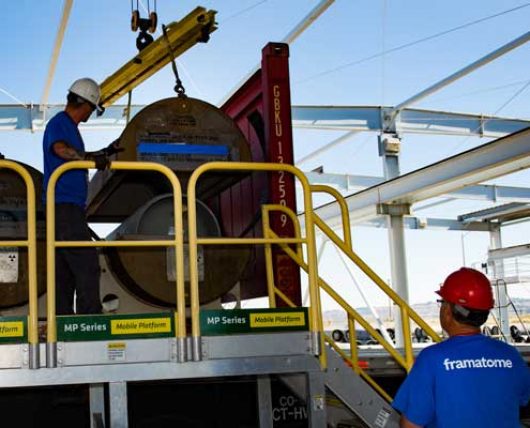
[[97, 405], [316, 399], [500, 290], [265, 402], [389, 149], [118, 405]]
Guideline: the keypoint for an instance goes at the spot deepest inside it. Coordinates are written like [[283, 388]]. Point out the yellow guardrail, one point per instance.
[[345, 244], [31, 244], [315, 324], [52, 244], [407, 313]]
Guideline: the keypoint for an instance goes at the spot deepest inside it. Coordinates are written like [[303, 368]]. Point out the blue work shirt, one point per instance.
[[465, 381], [72, 186]]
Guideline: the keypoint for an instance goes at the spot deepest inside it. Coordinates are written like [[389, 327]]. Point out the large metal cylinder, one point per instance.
[[13, 226], [149, 273], [181, 133]]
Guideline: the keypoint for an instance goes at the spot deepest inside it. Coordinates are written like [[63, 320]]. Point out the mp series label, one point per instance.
[[110, 327], [13, 329], [237, 321]]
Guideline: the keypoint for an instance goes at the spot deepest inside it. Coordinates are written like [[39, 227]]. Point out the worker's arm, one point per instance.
[[66, 152], [405, 423]]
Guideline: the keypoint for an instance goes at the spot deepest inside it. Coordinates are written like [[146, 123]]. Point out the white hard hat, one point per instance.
[[88, 89]]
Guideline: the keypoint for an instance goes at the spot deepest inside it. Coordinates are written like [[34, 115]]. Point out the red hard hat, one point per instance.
[[468, 287]]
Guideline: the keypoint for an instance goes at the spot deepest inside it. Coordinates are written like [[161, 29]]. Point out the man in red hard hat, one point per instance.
[[469, 380]]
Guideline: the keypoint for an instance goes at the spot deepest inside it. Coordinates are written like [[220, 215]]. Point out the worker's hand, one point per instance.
[[113, 148], [102, 161], [100, 158]]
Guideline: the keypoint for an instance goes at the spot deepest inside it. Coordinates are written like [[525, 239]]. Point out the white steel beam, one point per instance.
[[348, 118], [409, 121], [464, 71], [480, 192], [67, 7], [494, 159], [508, 252]]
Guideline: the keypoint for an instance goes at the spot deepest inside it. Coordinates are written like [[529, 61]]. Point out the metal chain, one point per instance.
[[179, 88]]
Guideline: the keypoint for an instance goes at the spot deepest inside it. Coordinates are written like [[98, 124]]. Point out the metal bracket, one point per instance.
[[394, 209], [388, 120], [60, 354], [389, 145]]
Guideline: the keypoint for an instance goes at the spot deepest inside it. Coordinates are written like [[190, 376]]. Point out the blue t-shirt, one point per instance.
[[72, 186], [466, 381]]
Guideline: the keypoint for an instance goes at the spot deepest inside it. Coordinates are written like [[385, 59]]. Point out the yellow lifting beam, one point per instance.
[[194, 28]]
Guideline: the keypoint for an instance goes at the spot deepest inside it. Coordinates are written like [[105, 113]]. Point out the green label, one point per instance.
[[236, 321], [110, 327], [13, 330]]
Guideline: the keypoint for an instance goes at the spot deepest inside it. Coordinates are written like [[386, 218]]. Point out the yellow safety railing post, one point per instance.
[[31, 244], [354, 350], [52, 244], [315, 316], [272, 289], [376, 279], [346, 229], [268, 258]]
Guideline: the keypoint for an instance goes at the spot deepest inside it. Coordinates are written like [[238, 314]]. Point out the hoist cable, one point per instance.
[[179, 88]]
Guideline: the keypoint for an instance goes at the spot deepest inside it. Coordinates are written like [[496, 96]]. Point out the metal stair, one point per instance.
[[357, 396]]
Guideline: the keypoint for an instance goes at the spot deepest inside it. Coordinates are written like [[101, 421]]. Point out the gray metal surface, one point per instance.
[[157, 371], [97, 405], [14, 356], [118, 405], [265, 402], [316, 399], [115, 352], [357, 395], [256, 345]]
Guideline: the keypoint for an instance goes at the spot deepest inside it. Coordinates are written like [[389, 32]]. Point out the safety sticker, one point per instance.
[[382, 418], [116, 351]]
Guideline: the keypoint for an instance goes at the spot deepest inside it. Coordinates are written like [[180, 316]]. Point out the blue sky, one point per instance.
[[98, 41]]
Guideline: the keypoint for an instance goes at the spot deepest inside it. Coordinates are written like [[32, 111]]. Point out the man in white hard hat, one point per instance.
[[77, 269]]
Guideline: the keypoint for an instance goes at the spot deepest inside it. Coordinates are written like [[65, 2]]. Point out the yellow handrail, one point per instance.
[[51, 244], [265, 210], [31, 244], [315, 310], [375, 278], [359, 371], [346, 229], [407, 312], [351, 311]]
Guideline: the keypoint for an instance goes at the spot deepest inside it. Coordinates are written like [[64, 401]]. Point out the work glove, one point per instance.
[[113, 148], [101, 160]]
